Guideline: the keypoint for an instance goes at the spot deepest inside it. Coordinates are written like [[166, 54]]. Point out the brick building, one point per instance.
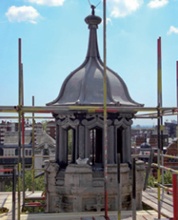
[[172, 150], [51, 129], [7, 126]]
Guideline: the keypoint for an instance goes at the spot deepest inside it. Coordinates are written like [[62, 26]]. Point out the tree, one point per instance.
[[39, 183]]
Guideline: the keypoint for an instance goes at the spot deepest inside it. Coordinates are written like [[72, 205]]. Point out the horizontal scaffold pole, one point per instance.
[[43, 109], [27, 117], [164, 168], [88, 108]]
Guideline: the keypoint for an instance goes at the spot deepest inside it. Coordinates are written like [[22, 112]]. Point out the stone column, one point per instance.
[[60, 144], [77, 151], [64, 146], [81, 142], [140, 170], [87, 142], [57, 143], [124, 146], [111, 151], [128, 144], [51, 169]]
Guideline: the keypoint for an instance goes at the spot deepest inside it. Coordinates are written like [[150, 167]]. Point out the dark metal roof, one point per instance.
[[145, 145], [84, 86]]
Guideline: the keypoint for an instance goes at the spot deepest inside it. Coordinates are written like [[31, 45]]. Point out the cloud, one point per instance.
[[108, 20], [122, 8], [157, 3], [48, 2], [22, 14], [172, 30]]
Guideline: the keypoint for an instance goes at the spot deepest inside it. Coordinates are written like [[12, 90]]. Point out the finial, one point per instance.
[[93, 9], [93, 20], [93, 6]]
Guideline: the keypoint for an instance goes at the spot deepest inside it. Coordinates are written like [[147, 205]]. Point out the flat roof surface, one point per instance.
[[6, 201]]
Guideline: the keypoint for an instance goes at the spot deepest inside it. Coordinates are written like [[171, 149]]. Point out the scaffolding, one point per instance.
[[20, 112]]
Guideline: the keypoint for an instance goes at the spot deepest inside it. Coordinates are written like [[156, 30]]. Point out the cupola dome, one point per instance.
[[84, 86]]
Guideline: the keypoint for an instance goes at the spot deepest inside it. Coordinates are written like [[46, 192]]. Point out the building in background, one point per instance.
[[44, 148]]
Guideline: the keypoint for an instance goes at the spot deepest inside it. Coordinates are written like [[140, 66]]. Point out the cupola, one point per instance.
[[84, 86], [75, 180]]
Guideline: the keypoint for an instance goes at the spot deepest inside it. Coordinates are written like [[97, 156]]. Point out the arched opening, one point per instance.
[[1, 152], [96, 140], [16, 152], [71, 148], [45, 152], [119, 142]]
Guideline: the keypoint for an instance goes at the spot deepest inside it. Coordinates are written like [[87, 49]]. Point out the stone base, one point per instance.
[[80, 188]]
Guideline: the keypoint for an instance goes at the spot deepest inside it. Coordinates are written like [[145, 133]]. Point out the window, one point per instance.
[[45, 152], [9, 152], [1, 152], [26, 152], [16, 152]]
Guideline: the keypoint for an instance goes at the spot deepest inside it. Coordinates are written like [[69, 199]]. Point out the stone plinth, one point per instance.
[[80, 188]]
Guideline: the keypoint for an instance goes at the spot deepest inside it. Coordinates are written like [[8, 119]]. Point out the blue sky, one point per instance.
[[55, 39]]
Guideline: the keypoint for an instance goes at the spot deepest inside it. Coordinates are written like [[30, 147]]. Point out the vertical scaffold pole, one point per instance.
[[105, 113], [33, 147], [177, 88], [175, 195], [119, 186], [160, 127], [23, 157], [23, 139], [133, 189], [19, 127], [177, 99], [13, 193]]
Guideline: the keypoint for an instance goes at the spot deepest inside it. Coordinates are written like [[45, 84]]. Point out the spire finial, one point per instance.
[[93, 6], [93, 20], [93, 9]]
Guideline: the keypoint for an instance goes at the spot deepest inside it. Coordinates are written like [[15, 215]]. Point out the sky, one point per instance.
[[55, 40]]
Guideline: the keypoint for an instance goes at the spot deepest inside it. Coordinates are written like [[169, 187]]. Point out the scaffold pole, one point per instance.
[[175, 195], [33, 147], [94, 109], [134, 216], [160, 127], [14, 193], [119, 199], [177, 86], [23, 136], [105, 114], [19, 127]]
